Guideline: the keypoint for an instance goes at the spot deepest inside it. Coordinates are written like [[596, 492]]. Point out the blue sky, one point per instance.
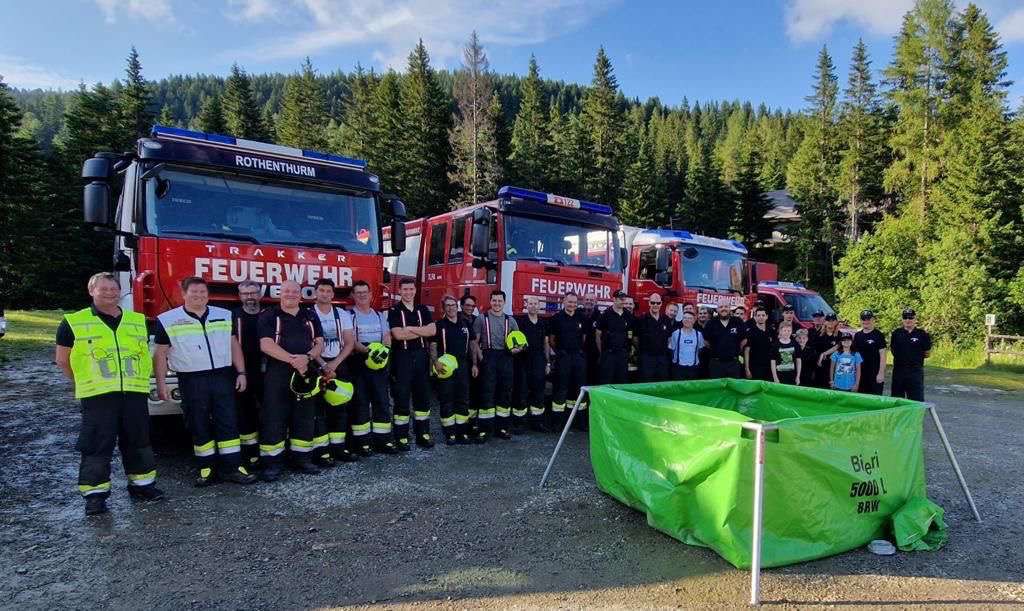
[[758, 50]]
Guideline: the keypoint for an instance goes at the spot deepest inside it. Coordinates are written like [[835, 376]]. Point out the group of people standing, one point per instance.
[[324, 384]]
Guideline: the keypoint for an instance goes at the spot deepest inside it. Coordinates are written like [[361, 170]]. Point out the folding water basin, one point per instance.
[[836, 467]]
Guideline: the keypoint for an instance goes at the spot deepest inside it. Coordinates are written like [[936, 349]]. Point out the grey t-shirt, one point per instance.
[[497, 323]]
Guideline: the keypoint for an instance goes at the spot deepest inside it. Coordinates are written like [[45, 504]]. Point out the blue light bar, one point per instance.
[[253, 145], [555, 200]]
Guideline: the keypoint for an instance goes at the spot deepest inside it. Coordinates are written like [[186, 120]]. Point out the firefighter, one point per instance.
[[104, 352], [672, 314], [491, 330], [614, 335], [591, 313], [725, 336], [869, 342], [469, 313], [818, 326], [825, 343], [757, 354], [454, 337], [196, 340], [910, 347], [292, 339], [532, 367], [567, 336], [411, 327], [248, 401], [652, 332], [332, 420], [370, 416]]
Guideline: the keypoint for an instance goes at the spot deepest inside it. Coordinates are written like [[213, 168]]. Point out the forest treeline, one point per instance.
[[908, 176]]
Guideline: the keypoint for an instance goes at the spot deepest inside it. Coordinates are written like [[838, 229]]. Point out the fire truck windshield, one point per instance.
[[534, 239], [711, 268], [806, 304], [195, 203]]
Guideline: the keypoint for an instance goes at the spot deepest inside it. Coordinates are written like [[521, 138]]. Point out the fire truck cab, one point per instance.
[[685, 267], [228, 210], [524, 242], [775, 295]]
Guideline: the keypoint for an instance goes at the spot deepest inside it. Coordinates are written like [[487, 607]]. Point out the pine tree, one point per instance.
[[602, 119], [425, 150], [502, 136], [637, 204], [211, 116], [976, 206], [386, 133], [918, 75], [166, 117], [241, 113], [135, 103], [863, 157], [303, 120], [357, 124], [572, 153], [475, 166], [810, 178], [530, 155], [752, 204], [733, 151]]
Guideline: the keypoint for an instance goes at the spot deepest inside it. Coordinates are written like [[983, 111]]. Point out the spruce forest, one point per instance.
[[909, 176]]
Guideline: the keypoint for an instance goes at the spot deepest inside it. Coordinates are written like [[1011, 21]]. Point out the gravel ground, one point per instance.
[[455, 527]]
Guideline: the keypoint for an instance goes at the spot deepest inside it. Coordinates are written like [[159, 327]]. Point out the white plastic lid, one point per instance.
[[882, 547]]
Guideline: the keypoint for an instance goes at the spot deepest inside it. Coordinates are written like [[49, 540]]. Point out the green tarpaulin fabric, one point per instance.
[[918, 526], [838, 467]]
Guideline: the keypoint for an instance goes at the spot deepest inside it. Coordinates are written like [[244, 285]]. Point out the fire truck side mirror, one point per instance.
[[480, 238], [96, 195], [398, 216]]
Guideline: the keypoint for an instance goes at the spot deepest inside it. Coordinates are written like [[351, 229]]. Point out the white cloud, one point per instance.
[[393, 28], [1011, 27], [18, 72], [811, 19], [252, 10], [151, 10]]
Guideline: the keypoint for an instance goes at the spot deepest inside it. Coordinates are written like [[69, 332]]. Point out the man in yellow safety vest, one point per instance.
[[104, 352]]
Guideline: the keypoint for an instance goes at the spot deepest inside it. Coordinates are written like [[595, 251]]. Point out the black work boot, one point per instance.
[[424, 440], [503, 434], [345, 455], [402, 444], [95, 505], [271, 472], [388, 447], [306, 467], [145, 493], [205, 478], [239, 476], [365, 450]]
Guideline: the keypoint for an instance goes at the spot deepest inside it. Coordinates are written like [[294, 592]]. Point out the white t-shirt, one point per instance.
[[685, 346], [333, 328]]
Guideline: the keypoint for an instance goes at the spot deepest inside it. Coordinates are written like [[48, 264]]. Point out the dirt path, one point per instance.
[[454, 527]]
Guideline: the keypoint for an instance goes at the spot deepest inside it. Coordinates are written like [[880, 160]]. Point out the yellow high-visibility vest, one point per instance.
[[106, 361]]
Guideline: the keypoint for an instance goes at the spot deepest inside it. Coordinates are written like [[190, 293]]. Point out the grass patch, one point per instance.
[[28, 331], [948, 365]]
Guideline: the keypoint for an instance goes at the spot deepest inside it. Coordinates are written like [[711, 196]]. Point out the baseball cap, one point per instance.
[[620, 294], [909, 313], [866, 315], [818, 314], [831, 317], [788, 308], [846, 337]]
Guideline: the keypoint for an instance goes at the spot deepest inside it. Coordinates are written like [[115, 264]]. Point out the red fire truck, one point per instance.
[[229, 210], [688, 268], [776, 294], [524, 242]]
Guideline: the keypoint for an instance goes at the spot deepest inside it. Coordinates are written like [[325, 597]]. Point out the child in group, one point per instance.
[[846, 365], [805, 377], [786, 357]]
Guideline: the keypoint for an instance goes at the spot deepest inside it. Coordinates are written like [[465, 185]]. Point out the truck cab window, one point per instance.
[[438, 233], [648, 263], [456, 250]]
